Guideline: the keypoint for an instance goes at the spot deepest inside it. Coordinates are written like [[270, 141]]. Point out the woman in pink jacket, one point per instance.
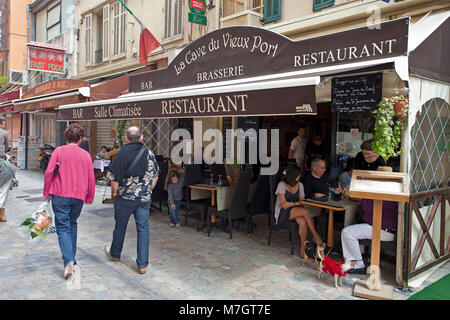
[[70, 181]]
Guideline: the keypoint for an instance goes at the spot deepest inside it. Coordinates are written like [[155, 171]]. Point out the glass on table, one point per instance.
[[211, 178], [219, 182]]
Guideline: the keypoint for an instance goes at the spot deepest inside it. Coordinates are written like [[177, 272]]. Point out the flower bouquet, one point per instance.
[[39, 222]]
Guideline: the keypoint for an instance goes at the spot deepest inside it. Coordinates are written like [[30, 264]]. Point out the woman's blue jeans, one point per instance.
[[67, 211], [123, 210], [174, 212]]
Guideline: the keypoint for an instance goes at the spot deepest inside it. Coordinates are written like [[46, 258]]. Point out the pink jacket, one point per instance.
[[75, 177]]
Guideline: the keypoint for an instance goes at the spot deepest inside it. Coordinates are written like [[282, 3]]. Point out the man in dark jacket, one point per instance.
[[132, 186]]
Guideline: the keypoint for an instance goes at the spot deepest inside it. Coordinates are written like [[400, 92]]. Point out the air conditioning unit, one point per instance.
[[18, 77]]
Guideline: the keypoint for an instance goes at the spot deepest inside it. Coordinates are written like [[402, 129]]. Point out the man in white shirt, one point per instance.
[[298, 146]]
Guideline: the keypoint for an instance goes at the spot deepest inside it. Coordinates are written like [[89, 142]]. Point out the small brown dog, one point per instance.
[[313, 253]]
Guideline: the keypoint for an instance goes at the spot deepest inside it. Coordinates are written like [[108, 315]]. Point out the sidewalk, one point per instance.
[[184, 263]]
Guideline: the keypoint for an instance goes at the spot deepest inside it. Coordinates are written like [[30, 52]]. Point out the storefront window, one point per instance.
[[352, 129], [46, 128]]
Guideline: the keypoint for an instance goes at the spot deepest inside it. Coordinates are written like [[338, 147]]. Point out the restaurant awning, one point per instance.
[[429, 46], [248, 71], [6, 100], [289, 95], [52, 94]]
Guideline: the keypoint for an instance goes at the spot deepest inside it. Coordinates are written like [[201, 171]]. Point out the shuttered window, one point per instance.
[[118, 20], [320, 4], [106, 32], [88, 38], [272, 10], [173, 19]]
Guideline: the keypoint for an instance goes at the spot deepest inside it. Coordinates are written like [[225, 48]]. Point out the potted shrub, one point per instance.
[[389, 126], [119, 126]]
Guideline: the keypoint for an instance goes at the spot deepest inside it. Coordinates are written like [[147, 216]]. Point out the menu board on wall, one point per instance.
[[356, 93]]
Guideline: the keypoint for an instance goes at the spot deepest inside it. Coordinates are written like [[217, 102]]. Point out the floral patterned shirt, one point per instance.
[[139, 188]]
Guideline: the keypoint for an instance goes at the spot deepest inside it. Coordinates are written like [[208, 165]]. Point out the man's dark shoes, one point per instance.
[[357, 271], [109, 255]]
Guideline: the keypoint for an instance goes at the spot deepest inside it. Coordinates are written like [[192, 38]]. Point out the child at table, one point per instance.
[[175, 193]]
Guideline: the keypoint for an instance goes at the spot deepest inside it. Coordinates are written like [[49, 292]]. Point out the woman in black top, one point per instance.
[[366, 159]]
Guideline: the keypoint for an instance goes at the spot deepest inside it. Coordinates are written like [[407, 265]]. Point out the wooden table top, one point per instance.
[[330, 204]]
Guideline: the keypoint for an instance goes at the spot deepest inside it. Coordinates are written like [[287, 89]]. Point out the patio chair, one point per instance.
[[261, 201], [193, 175], [238, 206], [291, 226]]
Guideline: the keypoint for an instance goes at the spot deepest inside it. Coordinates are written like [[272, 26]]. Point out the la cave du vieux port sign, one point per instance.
[[197, 14], [244, 52]]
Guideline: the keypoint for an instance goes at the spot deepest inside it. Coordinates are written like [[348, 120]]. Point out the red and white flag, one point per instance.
[[147, 43]]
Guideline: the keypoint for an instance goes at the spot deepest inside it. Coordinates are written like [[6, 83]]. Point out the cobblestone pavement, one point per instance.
[[184, 263]]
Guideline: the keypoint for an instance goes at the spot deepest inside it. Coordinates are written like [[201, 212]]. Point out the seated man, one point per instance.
[[316, 182], [351, 234], [316, 185]]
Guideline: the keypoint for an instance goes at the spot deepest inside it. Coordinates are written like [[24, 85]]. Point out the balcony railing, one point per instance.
[[64, 40], [231, 7]]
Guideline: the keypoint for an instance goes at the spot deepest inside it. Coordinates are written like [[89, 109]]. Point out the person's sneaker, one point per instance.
[[109, 255], [172, 225], [68, 271], [177, 225], [142, 270]]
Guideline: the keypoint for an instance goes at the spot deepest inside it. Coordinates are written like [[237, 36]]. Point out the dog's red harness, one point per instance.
[[332, 267]]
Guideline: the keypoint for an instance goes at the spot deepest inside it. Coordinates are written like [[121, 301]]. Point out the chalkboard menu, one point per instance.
[[356, 93], [248, 123]]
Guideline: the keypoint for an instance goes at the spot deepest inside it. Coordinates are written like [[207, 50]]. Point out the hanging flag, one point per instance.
[[147, 42]]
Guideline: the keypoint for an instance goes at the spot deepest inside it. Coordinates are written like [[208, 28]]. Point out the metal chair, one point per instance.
[[292, 226], [238, 206], [193, 175], [261, 201]]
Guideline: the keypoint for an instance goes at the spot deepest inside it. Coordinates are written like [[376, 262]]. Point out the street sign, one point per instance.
[[196, 18]]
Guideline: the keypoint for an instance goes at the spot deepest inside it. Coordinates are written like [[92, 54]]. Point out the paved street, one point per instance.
[[184, 263]]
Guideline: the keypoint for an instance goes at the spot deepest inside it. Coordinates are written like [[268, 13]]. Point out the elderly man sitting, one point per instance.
[[316, 185]]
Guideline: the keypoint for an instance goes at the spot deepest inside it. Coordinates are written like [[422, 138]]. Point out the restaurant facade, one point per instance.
[[247, 77]]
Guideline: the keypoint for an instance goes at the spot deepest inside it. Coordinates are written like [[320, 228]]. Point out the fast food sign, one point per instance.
[[46, 60]]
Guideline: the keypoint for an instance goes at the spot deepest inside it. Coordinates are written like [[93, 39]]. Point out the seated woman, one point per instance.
[[290, 194], [101, 154], [346, 176]]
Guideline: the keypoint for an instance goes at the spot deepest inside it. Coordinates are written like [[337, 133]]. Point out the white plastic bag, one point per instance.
[[39, 222]]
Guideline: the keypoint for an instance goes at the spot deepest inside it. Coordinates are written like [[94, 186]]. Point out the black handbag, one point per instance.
[[56, 170], [133, 164]]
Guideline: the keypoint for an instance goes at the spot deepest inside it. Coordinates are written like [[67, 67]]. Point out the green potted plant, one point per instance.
[[119, 126], [389, 125], [235, 168]]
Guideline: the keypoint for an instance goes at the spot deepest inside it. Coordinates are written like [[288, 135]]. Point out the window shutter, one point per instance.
[[106, 33], [320, 4], [88, 24], [123, 25], [272, 10]]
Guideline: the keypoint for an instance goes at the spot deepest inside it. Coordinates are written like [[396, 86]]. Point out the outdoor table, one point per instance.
[[221, 196], [348, 206], [101, 164]]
